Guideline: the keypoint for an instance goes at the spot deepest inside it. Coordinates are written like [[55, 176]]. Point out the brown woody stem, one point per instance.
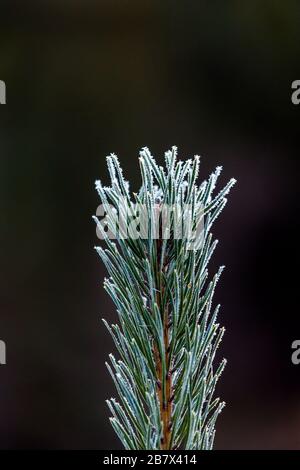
[[165, 399]]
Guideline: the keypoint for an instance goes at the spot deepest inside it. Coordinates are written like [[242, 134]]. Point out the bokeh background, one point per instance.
[[86, 78]]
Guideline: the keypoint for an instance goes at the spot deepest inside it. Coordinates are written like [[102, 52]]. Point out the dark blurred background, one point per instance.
[[86, 78]]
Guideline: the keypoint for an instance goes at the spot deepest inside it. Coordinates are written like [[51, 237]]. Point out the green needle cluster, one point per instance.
[[167, 332]]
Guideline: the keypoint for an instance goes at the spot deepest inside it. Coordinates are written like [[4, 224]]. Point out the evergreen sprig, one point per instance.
[[167, 334]]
